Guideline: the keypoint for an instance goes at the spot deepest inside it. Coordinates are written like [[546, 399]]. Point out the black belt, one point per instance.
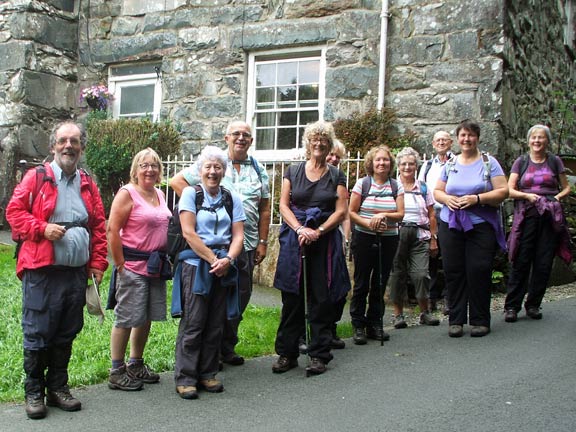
[[219, 246], [69, 225], [414, 225]]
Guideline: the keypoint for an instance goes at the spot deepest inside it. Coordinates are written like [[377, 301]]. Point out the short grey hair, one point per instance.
[[212, 153], [405, 152], [338, 148], [546, 130], [80, 126]]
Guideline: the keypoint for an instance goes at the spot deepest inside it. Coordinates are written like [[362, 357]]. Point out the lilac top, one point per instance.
[[468, 180]]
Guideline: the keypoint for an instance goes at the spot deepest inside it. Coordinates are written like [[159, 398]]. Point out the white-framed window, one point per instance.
[[285, 93], [137, 90]]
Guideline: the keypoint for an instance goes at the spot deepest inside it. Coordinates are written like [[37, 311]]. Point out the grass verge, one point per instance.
[[91, 353]]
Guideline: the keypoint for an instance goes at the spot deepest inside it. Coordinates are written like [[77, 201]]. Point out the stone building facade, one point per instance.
[[503, 63]]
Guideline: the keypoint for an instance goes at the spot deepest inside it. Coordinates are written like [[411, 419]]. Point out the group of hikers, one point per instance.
[[397, 229]]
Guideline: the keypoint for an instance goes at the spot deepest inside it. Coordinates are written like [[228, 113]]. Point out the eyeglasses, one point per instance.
[[147, 165], [319, 140], [246, 135], [73, 141]]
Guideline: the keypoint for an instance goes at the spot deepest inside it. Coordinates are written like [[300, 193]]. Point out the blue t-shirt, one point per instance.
[[468, 180], [214, 228]]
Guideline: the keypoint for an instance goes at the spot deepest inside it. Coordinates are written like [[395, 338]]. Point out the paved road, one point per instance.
[[522, 377]]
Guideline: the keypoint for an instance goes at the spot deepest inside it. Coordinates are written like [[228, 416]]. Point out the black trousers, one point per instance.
[[531, 269], [468, 259], [366, 290], [321, 310]]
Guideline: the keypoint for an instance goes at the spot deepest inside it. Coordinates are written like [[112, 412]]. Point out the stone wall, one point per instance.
[[37, 81], [540, 73]]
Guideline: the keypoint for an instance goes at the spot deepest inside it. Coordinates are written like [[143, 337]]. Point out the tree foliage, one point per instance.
[[113, 143]]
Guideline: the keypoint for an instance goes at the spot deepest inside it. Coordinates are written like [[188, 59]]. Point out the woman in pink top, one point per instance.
[[137, 238]]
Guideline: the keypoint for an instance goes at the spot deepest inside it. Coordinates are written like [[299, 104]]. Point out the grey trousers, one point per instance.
[[200, 331], [245, 262]]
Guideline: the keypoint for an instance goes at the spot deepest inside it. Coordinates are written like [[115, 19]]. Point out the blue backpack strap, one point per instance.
[[427, 168], [254, 163]]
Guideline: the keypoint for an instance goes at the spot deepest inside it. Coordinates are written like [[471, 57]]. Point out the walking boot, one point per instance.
[[58, 394], [35, 407], [34, 383], [359, 337]]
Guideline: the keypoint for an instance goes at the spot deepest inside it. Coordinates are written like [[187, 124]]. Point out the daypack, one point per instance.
[[551, 161], [176, 241], [450, 163], [367, 182], [423, 189], [41, 177]]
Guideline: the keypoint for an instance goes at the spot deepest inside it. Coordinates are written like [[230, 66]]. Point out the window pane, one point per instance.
[[286, 139], [137, 99], [286, 94], [308, 92], [266, 75], [266, 119], [309, 71], [308, 117], [287, 73], [264, 139], [265, 94], [288, 118]]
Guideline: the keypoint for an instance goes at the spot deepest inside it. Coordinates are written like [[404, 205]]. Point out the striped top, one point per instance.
[[379, 200]]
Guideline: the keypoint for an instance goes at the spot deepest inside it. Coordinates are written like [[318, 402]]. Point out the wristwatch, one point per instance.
[[264, 242], [321, 229], [232, 260]]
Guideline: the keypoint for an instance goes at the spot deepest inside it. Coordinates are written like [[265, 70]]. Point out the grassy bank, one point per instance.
[[91, 354]]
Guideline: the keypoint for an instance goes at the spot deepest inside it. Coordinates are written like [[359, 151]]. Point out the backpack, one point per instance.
[[423, 189], [176, 241], [551, 161], [450, 163], [41, 177], [367, 182], [254, 164]]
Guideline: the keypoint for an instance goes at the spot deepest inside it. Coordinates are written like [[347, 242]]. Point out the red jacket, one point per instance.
[[28, 220]]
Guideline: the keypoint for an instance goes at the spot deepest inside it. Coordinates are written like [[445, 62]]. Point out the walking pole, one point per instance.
[[306, 318], [380, 288]]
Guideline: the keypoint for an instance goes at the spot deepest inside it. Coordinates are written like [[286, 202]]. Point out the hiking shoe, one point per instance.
[[211, 385], [510, 315], [233, 360], [479, 331], [534, 313], [142, 372], [187, 392], [35, 407], [359, 337], [120, 380], [377, 333], [316, 366], [455, 331], [337, 343], [284, 364], [399, 322], [63, 400], [426, 318]]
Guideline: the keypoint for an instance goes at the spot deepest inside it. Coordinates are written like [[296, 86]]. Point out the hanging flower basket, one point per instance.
[[96, 97]]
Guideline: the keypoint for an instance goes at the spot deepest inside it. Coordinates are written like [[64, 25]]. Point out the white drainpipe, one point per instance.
[[383, 42]]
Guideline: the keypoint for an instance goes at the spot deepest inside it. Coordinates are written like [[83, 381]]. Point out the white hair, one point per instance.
[[212, 153]]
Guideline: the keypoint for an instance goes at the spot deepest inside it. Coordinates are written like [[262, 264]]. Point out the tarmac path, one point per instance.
[[521, 377]]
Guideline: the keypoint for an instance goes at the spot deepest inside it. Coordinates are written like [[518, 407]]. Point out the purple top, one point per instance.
[[538, 177]]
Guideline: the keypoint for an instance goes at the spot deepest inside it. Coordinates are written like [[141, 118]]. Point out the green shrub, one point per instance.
[[359, 131], [113, 143]]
